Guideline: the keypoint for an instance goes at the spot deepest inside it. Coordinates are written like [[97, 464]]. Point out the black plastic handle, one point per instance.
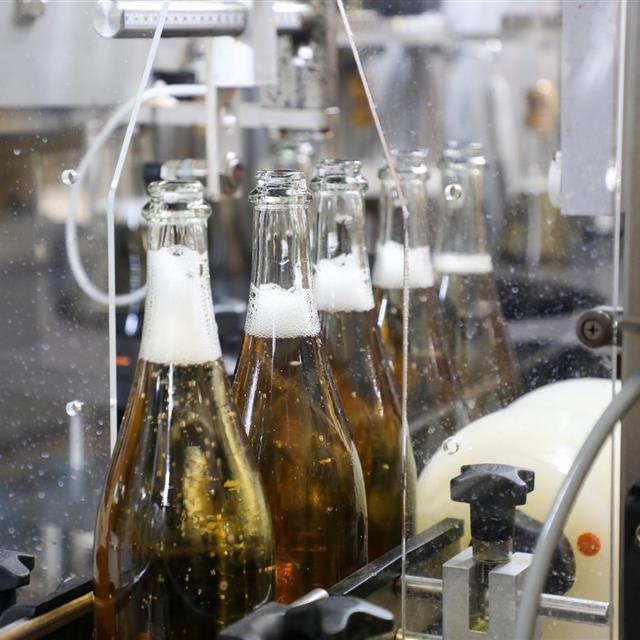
[[492, 491], [334, 618], [15, 571]]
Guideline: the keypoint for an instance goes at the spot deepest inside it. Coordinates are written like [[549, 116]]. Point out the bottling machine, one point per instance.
[[548, 90]]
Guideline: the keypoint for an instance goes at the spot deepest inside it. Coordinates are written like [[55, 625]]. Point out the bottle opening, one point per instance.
[[176, 200], [280, 186], [333, 172], [412, 163]]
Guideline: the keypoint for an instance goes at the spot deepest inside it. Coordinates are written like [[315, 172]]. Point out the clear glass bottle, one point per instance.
[[434, 406], [360, 364], [183, 541], [290, 406], [482, 349]]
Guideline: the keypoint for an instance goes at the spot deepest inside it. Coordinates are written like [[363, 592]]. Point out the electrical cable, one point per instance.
[[71, 235], [562, 505]]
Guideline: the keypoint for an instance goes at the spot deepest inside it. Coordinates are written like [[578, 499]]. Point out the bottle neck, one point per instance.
[[462, 245], [341, 280], [281, 301], [389, 267], [179, 322]]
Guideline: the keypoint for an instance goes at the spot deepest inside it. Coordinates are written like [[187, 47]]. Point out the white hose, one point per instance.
[[71, 237], [552, 529]]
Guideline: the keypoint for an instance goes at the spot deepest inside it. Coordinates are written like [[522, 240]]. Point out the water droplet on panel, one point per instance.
[[451, 445], [69, 176], [74, 408], [453, 192]]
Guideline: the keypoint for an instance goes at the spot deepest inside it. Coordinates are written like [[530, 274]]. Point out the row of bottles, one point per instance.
[[219, 499]]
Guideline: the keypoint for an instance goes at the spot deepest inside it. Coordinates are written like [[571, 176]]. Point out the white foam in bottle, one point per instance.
[[389, 267], [179, 323], [275, 312], [341, 284], [463, 263]]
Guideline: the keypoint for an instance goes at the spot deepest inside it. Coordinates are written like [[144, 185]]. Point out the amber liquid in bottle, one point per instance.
[[482, 348], [483, 353], [360, 364], [435, 407], [183, 539], [289, 404]]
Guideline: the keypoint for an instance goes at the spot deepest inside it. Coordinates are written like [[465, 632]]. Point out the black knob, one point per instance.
[[493, 491], [15, 571], [334, 618], [337, 618]]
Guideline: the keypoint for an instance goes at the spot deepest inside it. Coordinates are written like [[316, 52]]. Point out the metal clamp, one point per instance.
[[138, 18]]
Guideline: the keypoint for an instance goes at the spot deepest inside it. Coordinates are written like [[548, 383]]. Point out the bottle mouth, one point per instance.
[[176, 200], [280, 186], [469, 153], [408, 163], [339, 173]]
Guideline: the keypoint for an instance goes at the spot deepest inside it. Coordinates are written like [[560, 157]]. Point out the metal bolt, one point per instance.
[[636, 536], [592, 330]]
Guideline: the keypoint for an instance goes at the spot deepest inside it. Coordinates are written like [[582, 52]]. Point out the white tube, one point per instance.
[[71, 237], [552, 529]]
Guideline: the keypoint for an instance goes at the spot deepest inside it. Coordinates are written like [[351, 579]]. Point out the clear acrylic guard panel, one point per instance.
[[491, 73], [62, 85]]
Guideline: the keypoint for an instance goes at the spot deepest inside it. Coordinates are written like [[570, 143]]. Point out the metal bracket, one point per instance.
[[138, 18]]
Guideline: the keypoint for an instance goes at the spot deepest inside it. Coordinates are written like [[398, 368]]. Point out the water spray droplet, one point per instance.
[[69, 176], [451, 445], [74, 408], [453, 192]]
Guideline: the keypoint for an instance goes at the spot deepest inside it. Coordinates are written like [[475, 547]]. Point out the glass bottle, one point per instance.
[[360, 364], [482, 349], [435, 408], [290, 406], [183, 537]]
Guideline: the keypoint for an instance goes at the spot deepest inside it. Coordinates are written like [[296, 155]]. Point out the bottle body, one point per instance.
[[435, 408], [364, 380], [183, 542], [479, 336], [360, 364], [289, 405], [308, 462]]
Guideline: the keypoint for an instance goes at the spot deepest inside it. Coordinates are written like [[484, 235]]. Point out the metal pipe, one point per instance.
[[48, 622], [399, 634], [574, 609], [553, 606], [138, 18]]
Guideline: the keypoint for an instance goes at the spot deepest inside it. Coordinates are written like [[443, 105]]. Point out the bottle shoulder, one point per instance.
[[181, 450]]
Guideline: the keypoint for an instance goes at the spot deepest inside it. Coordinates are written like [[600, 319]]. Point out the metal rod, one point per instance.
[[399, 634], [574, 609], [553, 606], [138, 18], [48, 622]]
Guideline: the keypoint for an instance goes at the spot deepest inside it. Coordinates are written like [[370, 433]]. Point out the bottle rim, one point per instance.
[[463, 153], [407, 162], [280, 186], [338, 173], [176, 200]]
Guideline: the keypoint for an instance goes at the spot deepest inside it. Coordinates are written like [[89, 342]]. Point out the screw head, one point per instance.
[[592, 330]]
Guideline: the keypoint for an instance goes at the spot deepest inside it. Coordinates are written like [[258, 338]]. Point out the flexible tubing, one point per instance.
[[71, 234], [552, 529]]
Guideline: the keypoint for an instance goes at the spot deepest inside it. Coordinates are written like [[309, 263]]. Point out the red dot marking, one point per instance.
[[589, 543]]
